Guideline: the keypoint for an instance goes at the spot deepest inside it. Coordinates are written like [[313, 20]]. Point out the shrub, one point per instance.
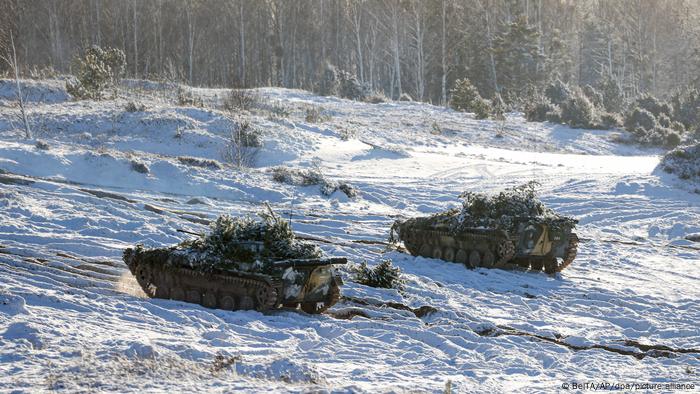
[[186, 98], [435, 128], [311, 177], [466, 98], [349, 87], [242, 145], [498, 110], [481, 108], [277, 110], [554, 115], [684, 162], [41, 145], [314, 114], [658, 136], [133, 107], [594, 96], [610, 120], [328, 83], [139, 167], [240, 99], [673, 139], [197, 162], [557, 92], [639, 118], [349, 190], [664, 120], [653, 105], [537, 109], [335, 82], [376, 98], [383, 275], [578, 111], [97, 69], [298, 177], [686, 107], [677, 126], [612, 95]]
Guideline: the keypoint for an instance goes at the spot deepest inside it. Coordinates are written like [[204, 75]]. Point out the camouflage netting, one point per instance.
[[247, 244], [504, 210]]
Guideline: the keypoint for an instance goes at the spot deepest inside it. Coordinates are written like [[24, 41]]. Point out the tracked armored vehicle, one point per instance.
[[311, 284], [512, 229], [242, 263]]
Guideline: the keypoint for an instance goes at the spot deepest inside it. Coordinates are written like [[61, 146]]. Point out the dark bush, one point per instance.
[[611, 120], [349, 87], [349, 190], [376, 98], [41, 145], [482, 108], [639, 118], [498, 109], [133, 107], [242, 145], [577, 111], [664, 120], [594, 96], [684, 162], [97, 69], [314, 114], [686, 107], [537, 110], [673, 139], [466, 98], [186, 98], [658, 136], [139, 167], [612, 95], [653, 105], [383, 275], [678, 126], [557, 92], [198, 162], [554, 116], [240, 99], [310, 177], [335, 82], [328, 83]]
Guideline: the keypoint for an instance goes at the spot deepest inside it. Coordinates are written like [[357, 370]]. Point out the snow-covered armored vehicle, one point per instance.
[[511, 229], [312, 284], [241, 264]]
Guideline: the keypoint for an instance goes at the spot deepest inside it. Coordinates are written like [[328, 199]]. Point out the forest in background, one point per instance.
[[396, 47]]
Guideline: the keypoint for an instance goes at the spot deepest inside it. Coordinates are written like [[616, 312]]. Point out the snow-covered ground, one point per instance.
[[72, 317]]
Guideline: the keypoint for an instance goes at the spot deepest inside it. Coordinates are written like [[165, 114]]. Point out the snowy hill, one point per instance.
[[72, 317]]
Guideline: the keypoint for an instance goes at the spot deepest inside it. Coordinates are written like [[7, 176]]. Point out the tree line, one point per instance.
[[411, 47]]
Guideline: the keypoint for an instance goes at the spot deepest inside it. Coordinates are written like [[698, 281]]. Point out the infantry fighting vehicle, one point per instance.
[[311, 284], [512, 228]]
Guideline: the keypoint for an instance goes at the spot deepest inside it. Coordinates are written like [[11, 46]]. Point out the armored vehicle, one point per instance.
[[533, 245], [166, 273], [242, 263], [512, 228]]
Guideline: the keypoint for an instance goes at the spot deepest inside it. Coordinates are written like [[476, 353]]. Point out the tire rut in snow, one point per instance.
[[645, 350], [420, 312]]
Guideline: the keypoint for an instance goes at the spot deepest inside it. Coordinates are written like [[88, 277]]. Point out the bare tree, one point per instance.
[[11, 60]]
